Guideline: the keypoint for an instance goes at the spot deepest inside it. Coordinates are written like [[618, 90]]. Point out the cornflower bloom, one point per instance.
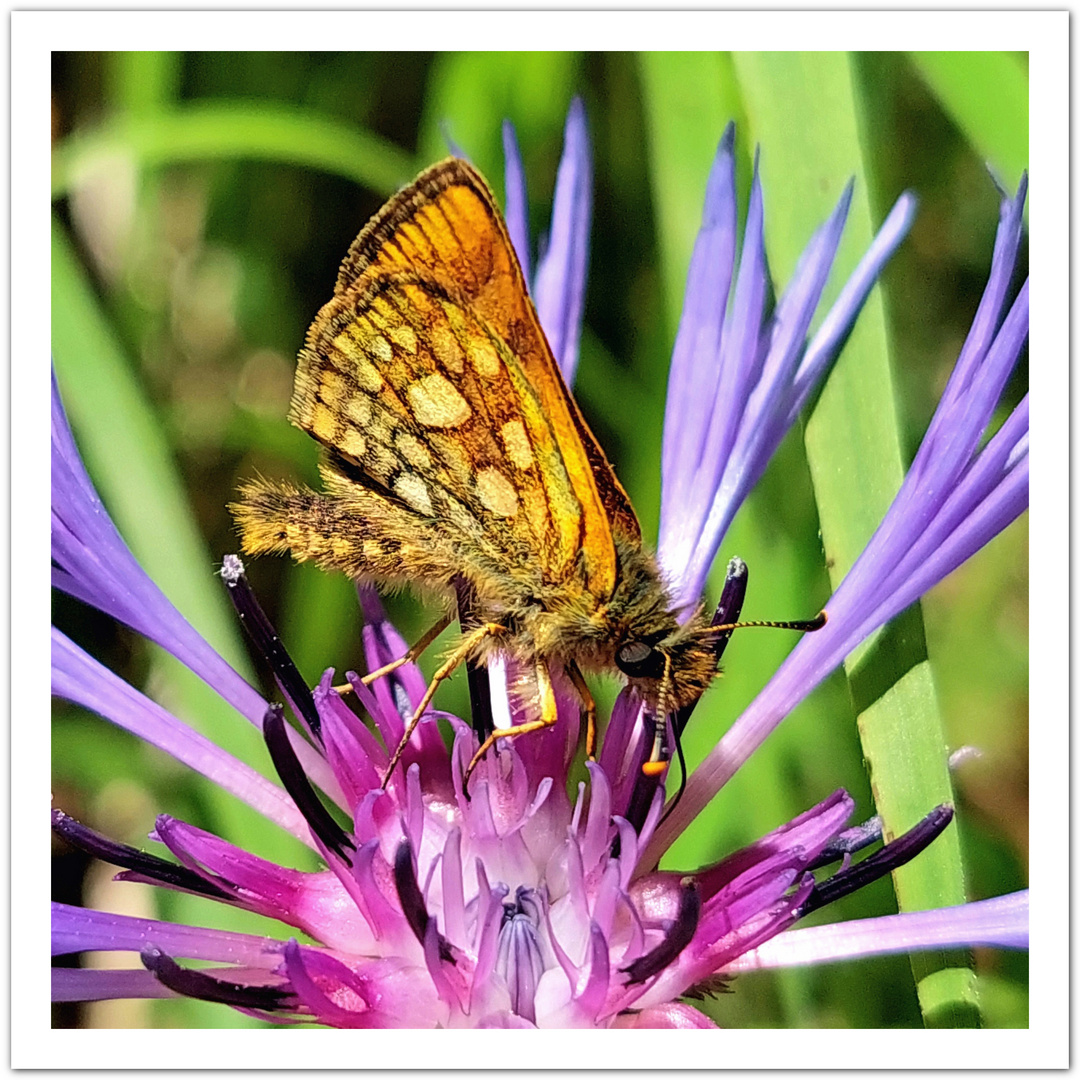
[[517, 904]]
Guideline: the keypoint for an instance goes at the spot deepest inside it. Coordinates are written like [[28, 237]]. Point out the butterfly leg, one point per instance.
[[574, 674], [414, 652], [460, 654], [548, 716]]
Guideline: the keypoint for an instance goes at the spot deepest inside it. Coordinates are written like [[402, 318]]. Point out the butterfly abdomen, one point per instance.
[[359, 538]]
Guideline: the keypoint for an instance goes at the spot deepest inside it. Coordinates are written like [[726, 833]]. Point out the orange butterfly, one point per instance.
[[454, 453]]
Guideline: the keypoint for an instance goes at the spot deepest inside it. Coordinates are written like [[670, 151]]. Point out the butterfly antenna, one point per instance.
[[807, 626]]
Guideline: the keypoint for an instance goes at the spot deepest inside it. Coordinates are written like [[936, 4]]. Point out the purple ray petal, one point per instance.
[[78, 677], [999, 923], [837, 324], [949, 505], [765, 382], [87, 984], [559, 289], [100, 570], [695, 360], [77, 929], [517, 200]]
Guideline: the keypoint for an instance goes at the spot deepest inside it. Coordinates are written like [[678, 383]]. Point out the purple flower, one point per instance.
[[955, 498], [520, 904]]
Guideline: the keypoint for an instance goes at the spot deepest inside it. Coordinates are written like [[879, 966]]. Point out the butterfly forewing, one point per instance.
[[481, 390]]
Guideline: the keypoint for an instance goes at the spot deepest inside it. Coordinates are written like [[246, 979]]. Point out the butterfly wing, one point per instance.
[[429, 381]]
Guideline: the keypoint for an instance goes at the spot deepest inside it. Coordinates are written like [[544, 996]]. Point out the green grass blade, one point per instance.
[[228, 131], [141, 83], [688, 99], [469, 95], [986, 94], [803, 111]]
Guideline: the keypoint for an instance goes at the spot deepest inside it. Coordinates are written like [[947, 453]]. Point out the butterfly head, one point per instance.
[[670, 667]]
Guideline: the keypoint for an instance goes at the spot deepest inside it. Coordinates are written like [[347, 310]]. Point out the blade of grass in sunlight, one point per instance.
[[802, 108], [986, 95], [231, 131], [775, 533]]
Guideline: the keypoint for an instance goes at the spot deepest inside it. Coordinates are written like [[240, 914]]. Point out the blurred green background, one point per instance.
[[202, 204]]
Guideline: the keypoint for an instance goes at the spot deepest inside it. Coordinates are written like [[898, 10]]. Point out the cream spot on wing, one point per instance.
[[405, 336], [381, 349], [516, 442], [352, 443], [413, 490], [496, 492], [351, 344], [447, 350], [324, 425], [436, 403], [368, 376], [358, 410], [412, 450], [332, 388], [484, 358]]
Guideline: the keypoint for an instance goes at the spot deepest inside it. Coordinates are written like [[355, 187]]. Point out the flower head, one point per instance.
[[519, 902]]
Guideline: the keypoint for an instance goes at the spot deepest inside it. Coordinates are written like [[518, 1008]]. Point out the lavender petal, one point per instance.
[[559, 289], [998, 923]]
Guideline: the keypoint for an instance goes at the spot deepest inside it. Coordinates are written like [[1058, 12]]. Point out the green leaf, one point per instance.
[[986, 94], [140, 83], [803, 111], [231, 131]]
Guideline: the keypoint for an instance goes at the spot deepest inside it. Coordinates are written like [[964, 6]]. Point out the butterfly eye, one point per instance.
[[640, 660]]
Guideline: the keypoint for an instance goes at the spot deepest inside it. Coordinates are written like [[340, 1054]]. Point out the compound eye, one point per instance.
[[640, 660]]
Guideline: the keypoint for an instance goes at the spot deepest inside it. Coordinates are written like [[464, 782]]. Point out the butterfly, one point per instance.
[[454, 456]]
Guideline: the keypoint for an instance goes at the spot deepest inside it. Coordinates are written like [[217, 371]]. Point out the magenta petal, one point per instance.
[[809, 833], [353, 752], [504, 1020], [321, 1005], [672, 1014], [591, 996]]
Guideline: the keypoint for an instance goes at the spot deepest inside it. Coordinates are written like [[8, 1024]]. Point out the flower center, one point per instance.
[[520, 960]]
